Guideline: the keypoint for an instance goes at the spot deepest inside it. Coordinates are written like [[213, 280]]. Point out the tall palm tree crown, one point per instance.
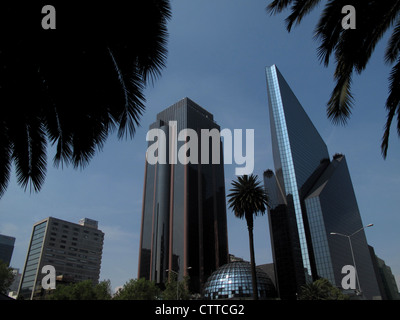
[[247, 197], [352, 49]]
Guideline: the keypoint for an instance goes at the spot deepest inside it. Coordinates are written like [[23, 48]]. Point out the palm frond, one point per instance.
[[127, 114], [300, 9], [29, 154], [393, 48], [277, 6], [56, 133], [373, 21], [38, 157], [153, 54], [79, 85], [392, 106], [341, 100], [329, 30], [5, 157], [247, 197]]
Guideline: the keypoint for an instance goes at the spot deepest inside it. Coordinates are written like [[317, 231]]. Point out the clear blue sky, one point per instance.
[[218, 51]]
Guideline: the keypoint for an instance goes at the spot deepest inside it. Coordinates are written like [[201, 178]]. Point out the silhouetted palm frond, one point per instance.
[[74, 85], [247, 197], [392, 106]]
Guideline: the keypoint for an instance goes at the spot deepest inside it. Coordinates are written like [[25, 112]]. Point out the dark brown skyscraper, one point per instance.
[[184, 226]]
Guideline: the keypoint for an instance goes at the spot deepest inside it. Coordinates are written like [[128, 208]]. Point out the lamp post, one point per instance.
[[351, 249], [177, 284]]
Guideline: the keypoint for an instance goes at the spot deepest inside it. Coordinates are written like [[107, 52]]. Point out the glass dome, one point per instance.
[[233, 281]]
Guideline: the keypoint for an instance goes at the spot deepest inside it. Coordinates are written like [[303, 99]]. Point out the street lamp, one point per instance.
[[177, 275], [351, 249]]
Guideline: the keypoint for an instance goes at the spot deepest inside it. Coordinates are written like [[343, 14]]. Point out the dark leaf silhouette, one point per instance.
[[74, 85]]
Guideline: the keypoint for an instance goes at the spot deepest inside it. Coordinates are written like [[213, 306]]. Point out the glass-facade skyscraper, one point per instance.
[[184, 228], [311, 196]]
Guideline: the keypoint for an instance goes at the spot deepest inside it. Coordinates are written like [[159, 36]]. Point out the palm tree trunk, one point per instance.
[[249, 219]]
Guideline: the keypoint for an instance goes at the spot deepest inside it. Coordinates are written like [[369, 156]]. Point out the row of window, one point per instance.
[[76, 232], [73, 259]]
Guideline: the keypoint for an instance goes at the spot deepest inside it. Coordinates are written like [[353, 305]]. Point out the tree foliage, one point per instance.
[[176, 290], [73, 86], [321, 289], [6, 277], [83, 290], [138, 289], [134, 289]]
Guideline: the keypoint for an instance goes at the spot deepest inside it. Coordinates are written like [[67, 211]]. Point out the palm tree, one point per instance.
[[352, 49], [248, 198], [73, 86]]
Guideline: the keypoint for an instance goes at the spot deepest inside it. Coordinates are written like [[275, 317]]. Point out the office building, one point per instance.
[[311, 196], [389, 282], [74, 250], [386, 280], [6, 248], [184, 228]]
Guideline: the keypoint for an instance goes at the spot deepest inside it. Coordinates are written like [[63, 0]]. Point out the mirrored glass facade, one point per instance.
[[32, 261], [233, 281], [184, 225], [297, 151], [300, 219], [331, 206]]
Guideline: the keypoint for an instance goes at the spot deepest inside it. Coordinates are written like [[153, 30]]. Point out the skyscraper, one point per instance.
[[6, 248], [184, 228], [74, 250], [311, 196]]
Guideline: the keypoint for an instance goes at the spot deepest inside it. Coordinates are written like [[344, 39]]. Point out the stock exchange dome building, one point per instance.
[[233, 281]]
